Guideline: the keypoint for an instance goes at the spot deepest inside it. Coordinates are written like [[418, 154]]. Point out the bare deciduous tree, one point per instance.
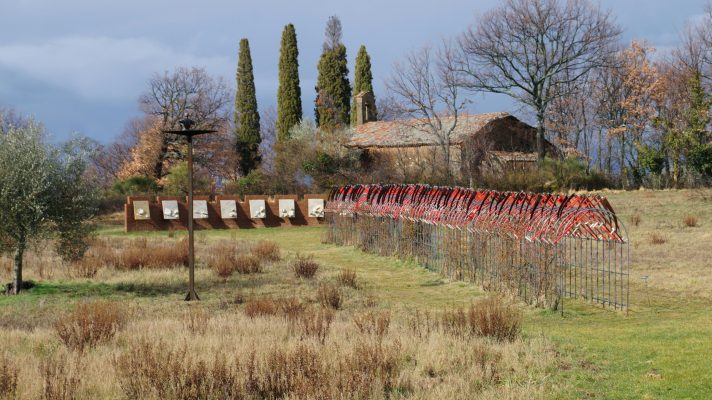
[[187, 90], [427, 96], [531, 50]]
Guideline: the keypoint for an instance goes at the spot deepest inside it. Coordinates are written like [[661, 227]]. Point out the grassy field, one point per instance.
[[662, 349]]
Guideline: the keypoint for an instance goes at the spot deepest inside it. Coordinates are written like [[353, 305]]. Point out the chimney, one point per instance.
[[365, 108]]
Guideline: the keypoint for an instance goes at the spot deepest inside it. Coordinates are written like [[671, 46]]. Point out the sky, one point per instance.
[[80, 65]]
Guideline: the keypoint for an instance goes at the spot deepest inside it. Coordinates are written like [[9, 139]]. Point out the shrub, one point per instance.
[[657, 238], [260, 307], [304, 266], [89, 324], [373, 323], [266, 250], [329, 296], [291, 307], [60, 381], [316, 323], [223, 265], [8, 377], [487, 317], [347, 277], [492, 318], [248, 264], [690, 221]]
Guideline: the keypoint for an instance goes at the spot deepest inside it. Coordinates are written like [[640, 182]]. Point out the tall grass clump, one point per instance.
[[316, 323], [329, 296], [89, 324], [304, 266], [261, 307], [490, 317], [690, 221], [8, 377], [657, 238], [347, 277], [266, 250], [60, 379], [248, 264], [373, 323]]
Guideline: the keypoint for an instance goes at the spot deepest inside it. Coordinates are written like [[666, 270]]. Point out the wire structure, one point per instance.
[[544, 247]]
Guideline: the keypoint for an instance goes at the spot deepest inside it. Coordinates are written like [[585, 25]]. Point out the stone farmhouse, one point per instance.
[[479, 142]]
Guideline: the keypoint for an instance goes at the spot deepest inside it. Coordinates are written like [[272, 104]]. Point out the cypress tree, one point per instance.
[[289, 94], [247, 119], [333, 90], [363, 78]]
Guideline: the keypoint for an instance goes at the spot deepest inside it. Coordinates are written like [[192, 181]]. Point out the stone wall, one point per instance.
[[153, 219]]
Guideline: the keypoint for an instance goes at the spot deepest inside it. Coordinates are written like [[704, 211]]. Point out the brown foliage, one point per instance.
[[139, 254], [347, 277], [690, 221], [153, 370], [304, 266], [329, 296], [8, 377], [291, 307], [657, 238], [260, 307], [60, 380], [373, 323], [316, 323], [248, 264], [266, 250], [90, 324], [487, 317], [223, 265]]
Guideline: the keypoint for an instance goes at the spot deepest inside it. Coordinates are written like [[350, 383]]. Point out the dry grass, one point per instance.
[[490, 317], [266, 250], [635, 219], [291, 307], [690, 221], [315, 323], [347, 277], [89, 324], [197, 320], [61, 380], [248, 264], [657, 238], [329, 296], [304, 266], [8, 377], [373, 323], [260, 307]]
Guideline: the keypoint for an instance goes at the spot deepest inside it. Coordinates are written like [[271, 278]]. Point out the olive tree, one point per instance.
[[43, 193]]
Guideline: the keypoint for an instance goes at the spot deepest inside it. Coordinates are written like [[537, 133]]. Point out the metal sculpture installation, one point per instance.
[[544, 247]]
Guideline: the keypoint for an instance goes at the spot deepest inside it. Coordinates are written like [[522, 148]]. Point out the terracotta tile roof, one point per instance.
[[414, 132]]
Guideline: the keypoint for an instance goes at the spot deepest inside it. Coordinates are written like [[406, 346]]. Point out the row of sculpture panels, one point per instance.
[[228, 209]]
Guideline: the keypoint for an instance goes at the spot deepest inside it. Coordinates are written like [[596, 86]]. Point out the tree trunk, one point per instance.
[[19, 252], [540, 135]]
